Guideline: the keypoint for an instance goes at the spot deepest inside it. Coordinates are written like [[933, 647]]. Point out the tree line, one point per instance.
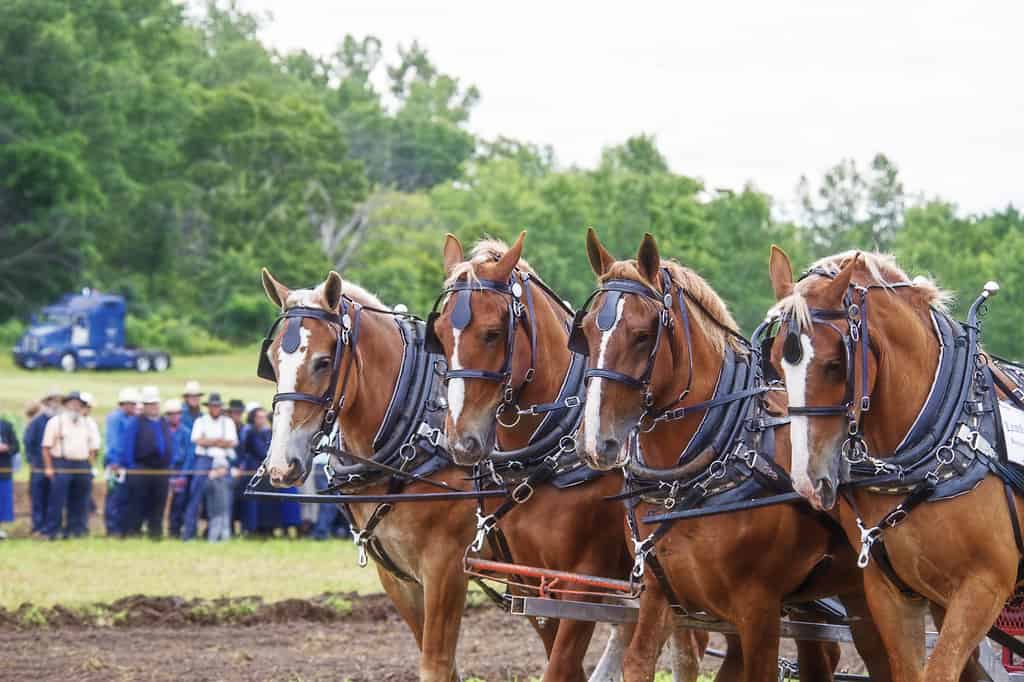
[[169, 157]]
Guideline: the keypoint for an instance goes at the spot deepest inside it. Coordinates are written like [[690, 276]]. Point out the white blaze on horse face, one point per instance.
[[456, 387], [288, 365], [592, 411], [799, 430]]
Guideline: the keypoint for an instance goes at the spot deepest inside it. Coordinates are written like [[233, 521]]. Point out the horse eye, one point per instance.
[[834, 367], [492, 336], [642, 336], [321, 364]]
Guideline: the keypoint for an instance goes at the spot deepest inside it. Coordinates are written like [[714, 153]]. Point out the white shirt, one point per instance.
[[220, 428]]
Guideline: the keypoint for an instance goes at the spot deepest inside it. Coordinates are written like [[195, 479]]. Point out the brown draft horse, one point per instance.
[[737, 566], [573, 529], [425, 540], [960, 553]]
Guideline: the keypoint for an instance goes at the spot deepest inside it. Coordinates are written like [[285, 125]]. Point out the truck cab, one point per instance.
[[84, 331]]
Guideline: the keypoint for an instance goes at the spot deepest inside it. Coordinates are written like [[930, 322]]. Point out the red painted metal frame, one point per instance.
[[551, 582]]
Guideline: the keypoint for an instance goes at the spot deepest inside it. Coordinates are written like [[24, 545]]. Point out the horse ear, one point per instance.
[[452, 252], [600, 260], [332, 288], [276, 292], [648, 260], [780, 271], [511, 258], [836, 289]]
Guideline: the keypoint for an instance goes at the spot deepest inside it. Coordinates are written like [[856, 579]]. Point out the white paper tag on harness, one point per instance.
[[1013, 431]]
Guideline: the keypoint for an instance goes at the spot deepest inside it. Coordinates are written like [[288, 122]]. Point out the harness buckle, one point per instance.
[[522, 492], [868, 537], [529, 375], [865, 403], [641, 548], [330, 416], [896, 516], [484, 525], [573, 401], [360, 538]]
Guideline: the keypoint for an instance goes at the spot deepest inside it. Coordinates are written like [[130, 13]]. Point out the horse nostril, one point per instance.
[[471, 443], [610, 447]]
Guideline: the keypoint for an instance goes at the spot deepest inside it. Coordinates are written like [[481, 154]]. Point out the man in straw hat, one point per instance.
[[215, 438], [181, 442], [39, 484], [146, 454], [69, 453], [191, 397], [117, 421]]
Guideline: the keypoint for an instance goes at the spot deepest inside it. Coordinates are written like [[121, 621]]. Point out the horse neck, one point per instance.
[[908, 354], [662, 446], [371, 383], [550, 365]]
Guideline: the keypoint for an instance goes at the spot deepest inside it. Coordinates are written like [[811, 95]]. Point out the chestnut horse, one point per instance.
[[895, 401], [667, 369], [504, 337], [422, 543]]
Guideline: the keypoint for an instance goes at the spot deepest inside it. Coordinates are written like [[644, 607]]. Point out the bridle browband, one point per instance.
[[855, 313], [518, 288]]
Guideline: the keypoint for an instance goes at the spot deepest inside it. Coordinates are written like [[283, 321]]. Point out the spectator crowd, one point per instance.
[[176, 466]]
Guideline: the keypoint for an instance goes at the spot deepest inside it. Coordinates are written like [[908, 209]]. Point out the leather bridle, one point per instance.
[[615, 289], [857, 335], [520, 304]]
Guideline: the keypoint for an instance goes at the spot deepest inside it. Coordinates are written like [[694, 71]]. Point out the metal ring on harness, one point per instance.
[[407, 452], [942, 449], [502, 408], [854, 451], [567, 443]]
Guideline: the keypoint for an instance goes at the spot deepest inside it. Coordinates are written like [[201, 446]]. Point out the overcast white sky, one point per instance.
[[763, 90]]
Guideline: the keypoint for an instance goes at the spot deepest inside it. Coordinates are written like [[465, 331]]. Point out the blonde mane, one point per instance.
[[882, 270], [712, 316], [487, 250], [314, 298]]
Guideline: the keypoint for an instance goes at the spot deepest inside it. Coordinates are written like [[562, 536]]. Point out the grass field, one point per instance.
[[78, 572]]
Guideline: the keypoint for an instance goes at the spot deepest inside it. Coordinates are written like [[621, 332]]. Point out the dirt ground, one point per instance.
[[297, 640]]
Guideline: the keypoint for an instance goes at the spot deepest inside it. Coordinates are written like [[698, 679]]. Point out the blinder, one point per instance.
[[577, 339], [431, 342]]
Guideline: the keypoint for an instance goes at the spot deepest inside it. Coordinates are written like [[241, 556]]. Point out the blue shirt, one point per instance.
[[187, 421], [155, 436], [181, 439], [34, 440], [117, 422]]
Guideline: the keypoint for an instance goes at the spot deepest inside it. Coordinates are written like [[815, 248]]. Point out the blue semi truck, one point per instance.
[[84, 331]]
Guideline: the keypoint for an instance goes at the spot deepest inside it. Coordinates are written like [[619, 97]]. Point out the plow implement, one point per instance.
[[546, 593]]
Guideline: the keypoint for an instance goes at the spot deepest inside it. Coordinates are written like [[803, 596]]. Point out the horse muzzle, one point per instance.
[[286, 477], [606, 454], [470, 448]]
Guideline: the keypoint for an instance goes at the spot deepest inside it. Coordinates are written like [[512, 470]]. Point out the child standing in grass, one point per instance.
[[219, 499]]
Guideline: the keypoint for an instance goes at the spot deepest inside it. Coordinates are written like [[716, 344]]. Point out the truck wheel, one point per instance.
[[142, 363], [68, 362], [161, 362]]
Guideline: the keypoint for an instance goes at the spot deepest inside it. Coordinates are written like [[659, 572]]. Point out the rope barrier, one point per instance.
[[129, 472]]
